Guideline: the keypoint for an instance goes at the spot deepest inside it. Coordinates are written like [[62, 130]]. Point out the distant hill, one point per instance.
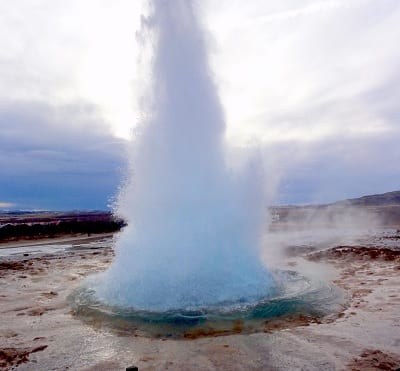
[[373, 210], [384, 199]]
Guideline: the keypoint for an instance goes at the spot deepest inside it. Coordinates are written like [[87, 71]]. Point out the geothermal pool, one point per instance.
[[294, 296], [190, 256]]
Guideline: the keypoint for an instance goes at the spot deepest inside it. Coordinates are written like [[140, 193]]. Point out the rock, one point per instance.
[[132, 368], [13, 357]]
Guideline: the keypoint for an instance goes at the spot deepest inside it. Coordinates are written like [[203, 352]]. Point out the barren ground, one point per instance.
[[38, 330]]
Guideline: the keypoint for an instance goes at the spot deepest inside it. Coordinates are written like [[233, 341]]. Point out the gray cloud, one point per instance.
[[57, 156], [324, 74], [335, 168]]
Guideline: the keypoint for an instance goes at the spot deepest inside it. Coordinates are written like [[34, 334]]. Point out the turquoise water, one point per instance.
[[295, 295]]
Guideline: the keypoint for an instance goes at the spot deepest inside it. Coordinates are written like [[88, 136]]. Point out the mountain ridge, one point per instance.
[[381, 199]]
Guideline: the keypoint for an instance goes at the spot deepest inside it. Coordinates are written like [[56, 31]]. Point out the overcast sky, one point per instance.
[[316, 83]]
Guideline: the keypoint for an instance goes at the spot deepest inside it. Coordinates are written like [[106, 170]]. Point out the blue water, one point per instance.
[[295, 295]]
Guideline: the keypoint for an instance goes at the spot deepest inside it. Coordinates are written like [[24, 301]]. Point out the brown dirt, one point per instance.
[[212, 332], [10, 357], [13, 265], [357, 252], [371, 359], [289, 321], [272, 325]]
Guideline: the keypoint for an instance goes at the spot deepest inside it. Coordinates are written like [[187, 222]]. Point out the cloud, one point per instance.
[[6, 205], [57, 157], [314, 57], [58, 52], [334, 168], [317, 82]]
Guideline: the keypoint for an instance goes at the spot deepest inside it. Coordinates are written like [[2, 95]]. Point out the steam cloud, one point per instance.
[[194, 225]]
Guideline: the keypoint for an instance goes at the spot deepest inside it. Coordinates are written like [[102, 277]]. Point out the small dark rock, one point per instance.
[[132, 368], [26, 254]]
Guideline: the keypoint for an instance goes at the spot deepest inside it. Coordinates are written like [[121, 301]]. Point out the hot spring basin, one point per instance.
[[297, 300]]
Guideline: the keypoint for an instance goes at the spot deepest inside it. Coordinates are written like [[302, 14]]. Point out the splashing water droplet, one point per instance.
[[194, 225]]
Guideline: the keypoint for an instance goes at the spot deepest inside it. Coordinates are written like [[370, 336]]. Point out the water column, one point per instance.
[[194, 225]]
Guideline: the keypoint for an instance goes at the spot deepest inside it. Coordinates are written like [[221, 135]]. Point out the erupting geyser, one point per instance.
[[194, 225]]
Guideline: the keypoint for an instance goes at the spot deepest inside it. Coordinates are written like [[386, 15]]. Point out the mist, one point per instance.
[[195, 224]]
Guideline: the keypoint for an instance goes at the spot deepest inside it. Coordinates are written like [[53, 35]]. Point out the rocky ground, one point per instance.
[[39, 330]]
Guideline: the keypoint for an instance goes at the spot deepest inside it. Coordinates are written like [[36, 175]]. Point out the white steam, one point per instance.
[[194, 225]]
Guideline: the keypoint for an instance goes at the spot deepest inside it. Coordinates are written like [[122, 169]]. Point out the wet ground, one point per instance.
[[40, 331]]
